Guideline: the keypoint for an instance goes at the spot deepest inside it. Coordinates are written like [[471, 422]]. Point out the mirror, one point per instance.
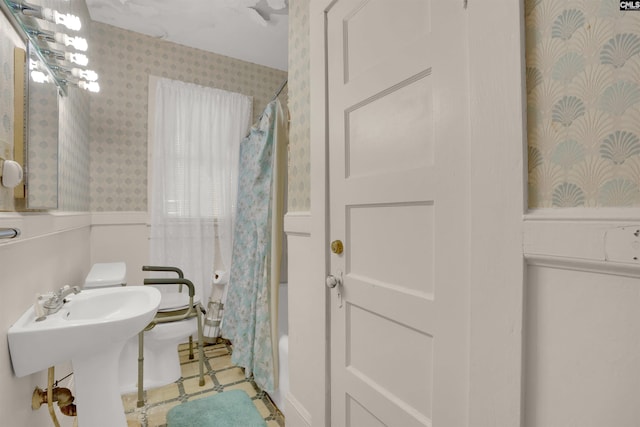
[[41, 137], [56, 58], [36, 145]]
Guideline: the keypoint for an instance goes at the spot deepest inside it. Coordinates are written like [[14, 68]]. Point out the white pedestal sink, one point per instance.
[[90, 330]]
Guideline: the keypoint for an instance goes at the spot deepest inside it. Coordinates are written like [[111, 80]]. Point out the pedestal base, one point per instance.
[[96, 389]]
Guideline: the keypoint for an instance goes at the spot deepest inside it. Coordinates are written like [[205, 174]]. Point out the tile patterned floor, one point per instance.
[[220, 375]]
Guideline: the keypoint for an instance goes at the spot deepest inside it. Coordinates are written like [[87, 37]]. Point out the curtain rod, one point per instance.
[[284, 83]]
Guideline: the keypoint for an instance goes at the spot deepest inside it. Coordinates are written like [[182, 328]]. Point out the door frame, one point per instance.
[[498, 132], [498, 179]]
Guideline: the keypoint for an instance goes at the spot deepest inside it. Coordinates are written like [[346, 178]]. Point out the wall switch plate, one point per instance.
[[622, 244]]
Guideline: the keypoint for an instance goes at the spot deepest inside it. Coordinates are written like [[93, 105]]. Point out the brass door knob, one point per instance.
[[337, 247]]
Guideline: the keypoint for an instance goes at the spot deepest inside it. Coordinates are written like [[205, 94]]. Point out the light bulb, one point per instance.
[[90, 86], [39, 77], [70, 21], [76, 58], [88, 75], [78, 42]]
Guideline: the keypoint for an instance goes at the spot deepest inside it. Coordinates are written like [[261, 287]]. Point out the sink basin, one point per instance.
[[88, 322], [90, 330]]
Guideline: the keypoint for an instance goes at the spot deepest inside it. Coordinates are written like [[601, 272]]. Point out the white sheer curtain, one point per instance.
[[196, 137]]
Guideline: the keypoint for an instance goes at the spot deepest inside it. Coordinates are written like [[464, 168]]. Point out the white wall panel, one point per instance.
[[582, 349], [121, 236], [306, 319], [52, 251]]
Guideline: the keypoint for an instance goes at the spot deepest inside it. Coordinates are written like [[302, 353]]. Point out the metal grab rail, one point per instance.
[[9, 233], [194, 309]]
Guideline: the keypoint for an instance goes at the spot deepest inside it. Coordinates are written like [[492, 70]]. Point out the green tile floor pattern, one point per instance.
[[220, 375]]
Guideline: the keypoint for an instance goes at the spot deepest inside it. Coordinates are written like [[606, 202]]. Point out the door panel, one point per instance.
[[374, 32], [398, 199], [365, 356], [359, 416], [373, 243], [405, 116]]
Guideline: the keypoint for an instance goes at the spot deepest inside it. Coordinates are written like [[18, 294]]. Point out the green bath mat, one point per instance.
[[232, 408]]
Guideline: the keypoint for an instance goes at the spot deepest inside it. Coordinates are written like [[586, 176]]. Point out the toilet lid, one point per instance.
[[175, 301], [106, 274]]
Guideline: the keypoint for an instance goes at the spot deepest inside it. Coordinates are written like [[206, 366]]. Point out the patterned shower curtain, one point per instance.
[[250, 309]]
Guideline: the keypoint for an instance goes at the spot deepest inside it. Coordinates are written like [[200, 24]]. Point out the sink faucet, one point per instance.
[[55, 301]]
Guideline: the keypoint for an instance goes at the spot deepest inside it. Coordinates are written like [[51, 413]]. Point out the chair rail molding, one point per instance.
[[583, 239], [297, 223]]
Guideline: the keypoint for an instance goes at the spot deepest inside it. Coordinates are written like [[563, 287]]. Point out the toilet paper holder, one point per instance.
[[220, 277]]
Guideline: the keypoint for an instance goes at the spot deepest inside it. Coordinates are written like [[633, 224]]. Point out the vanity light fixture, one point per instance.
[[86, 79], [76, 58], [78, 43], [53, 64], [70, 21], [90, 86], [60, 70], [88, 75], [39, 77]]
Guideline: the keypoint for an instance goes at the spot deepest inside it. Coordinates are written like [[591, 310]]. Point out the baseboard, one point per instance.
[[297, 415]]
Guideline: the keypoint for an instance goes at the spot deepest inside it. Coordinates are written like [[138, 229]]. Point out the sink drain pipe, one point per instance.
[[54, 394]]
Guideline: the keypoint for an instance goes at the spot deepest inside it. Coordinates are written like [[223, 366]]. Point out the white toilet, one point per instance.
[[105, 275], [161, 361]]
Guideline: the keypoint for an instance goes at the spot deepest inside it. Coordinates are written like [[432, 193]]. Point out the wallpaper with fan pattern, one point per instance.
[[583, 103]]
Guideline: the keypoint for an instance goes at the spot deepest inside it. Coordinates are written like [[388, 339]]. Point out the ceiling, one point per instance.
[[251, 30]]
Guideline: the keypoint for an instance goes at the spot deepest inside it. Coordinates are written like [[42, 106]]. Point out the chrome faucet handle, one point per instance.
[[67, 290], [39, 309], [56, 300], [53, 303]]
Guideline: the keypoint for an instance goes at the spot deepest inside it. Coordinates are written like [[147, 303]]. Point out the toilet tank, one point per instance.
[[104, 275]]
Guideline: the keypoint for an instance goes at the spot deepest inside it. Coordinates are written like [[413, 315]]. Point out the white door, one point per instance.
[[398, 167]]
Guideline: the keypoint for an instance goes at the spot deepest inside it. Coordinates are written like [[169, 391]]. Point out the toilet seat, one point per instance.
[[172, 301], [172, 331]]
